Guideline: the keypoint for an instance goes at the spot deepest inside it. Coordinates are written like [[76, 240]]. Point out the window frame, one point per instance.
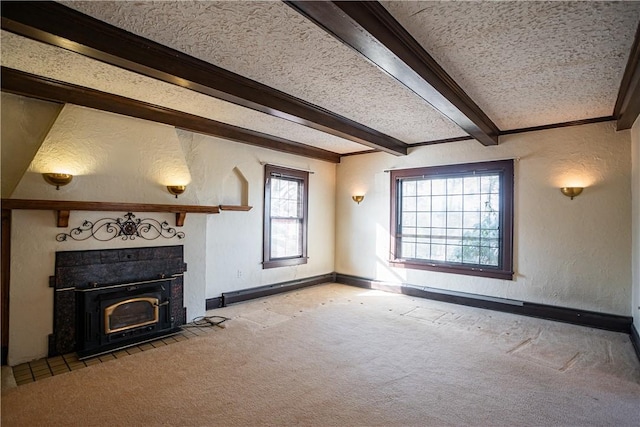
[[505, 169], [294, 174]]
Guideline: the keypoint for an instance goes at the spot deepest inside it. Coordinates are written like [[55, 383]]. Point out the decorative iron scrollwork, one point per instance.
[[127, 228]]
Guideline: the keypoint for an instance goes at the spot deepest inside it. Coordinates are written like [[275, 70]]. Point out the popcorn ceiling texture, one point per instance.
[[42, 59], [528, 63], [271, 43]]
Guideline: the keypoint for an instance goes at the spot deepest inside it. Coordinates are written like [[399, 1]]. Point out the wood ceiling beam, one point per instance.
[[368, 28], [58, 25], [30, 85], [627, 106]]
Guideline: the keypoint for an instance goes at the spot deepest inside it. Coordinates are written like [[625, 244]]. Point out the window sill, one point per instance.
[[284, 262], [468, 271]]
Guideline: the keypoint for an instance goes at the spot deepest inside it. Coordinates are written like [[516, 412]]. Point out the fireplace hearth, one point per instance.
[[110, 299]]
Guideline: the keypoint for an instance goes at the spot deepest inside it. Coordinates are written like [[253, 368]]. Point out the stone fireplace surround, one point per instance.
[[78, 271]]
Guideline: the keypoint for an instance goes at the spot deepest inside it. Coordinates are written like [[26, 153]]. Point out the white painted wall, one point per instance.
[[635, 186], [120, 159], [571, 253]]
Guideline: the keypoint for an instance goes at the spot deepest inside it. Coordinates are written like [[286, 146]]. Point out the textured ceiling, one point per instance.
[[523, 63], [528, 63], [271, 43], [38, 58]]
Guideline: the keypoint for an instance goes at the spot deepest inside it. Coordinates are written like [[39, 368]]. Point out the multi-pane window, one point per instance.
[[455, 219], [285, 216]]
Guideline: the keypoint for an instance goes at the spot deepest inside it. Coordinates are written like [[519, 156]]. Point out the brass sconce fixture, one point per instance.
[[571, 191], [57, 179], [176, 190], [357, 199]]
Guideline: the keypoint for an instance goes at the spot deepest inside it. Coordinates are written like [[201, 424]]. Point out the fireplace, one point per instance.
[[110, 299], [114, 316]]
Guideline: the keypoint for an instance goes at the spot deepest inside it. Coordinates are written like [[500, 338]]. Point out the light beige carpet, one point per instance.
[[334, 355]]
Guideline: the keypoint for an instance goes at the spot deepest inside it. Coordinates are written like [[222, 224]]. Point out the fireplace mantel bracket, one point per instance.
[[63, 208]]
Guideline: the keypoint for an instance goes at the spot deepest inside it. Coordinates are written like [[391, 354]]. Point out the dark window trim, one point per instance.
[[506, 169], [278, 171]]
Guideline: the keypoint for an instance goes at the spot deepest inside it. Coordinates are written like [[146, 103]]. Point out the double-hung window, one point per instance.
[[286, 194], [456, 219]]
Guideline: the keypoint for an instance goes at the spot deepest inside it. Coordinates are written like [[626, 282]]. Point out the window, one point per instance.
[[286, 193], [456, 219]]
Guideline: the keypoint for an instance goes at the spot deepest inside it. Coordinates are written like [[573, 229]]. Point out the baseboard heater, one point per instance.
[[611, 322], [263, 291]]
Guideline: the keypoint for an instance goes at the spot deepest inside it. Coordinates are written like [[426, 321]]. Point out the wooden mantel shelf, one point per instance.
[[237, 208], [64, 207]]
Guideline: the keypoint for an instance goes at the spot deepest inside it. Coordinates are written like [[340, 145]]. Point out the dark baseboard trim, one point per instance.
[[263, 291], [635, 339], [611, 322], [212, 303]]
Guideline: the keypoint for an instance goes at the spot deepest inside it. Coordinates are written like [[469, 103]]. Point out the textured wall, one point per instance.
[[635, 198], [128, 160], [234, 246], [31, 120], [572, 253]]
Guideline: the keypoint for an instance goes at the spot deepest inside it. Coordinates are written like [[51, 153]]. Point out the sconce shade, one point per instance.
[[357, 199], [176, 189], [57, 179], [571, 191]]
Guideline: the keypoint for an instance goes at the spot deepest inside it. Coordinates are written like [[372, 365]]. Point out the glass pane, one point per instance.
[[422, 251], [439, 203], [423, 203], [409, 219], [408, 249], [489, 256], [424, 219], [454, 203], [438, 187], [489, 221], [454, 253], [423, 187], [454, 186], [471, 219], [490, 183], [438, 252], [408, 203], [408, 188], [439, 219], [285, 198], [471, 202], [454, 219], [286, 238], [472, 185], [470, 254]]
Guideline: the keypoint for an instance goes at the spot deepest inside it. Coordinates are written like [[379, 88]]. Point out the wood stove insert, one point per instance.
[[115, 298]]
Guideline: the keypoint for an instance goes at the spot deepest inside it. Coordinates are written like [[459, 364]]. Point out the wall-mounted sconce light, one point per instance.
[[571, 191], [57, 179], [358, 199], [176, 190]]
